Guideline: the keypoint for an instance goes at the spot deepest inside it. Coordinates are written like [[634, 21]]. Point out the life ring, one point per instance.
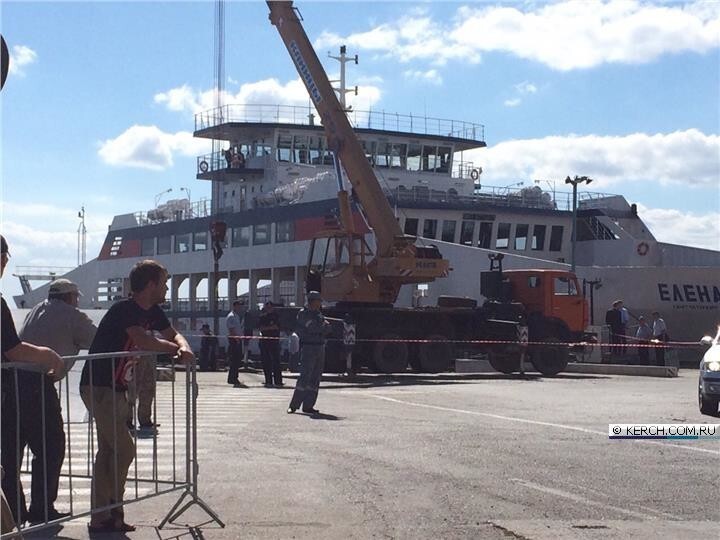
[[474, 174], [643, 249], [203, 166]]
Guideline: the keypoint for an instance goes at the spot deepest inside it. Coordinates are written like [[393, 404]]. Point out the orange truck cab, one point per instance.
[[552, 296]]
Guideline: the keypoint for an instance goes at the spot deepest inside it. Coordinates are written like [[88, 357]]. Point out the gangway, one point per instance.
[[26, 274]]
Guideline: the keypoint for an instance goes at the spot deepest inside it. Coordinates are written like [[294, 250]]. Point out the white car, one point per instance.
[[709, 382]]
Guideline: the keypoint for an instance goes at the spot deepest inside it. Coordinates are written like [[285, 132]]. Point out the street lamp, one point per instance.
[[186, 190], [159, 195], [575, 181]]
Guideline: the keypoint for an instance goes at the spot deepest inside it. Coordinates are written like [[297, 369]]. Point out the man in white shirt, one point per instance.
[[234, 322], [660, 337]]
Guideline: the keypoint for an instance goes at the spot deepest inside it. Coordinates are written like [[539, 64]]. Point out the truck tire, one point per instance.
[[504, 362], [550, 359], [708, 406], [390, 357], [435, 357]]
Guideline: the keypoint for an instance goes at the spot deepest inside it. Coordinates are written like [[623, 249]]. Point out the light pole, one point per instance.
[[159, 195], [575, 181]]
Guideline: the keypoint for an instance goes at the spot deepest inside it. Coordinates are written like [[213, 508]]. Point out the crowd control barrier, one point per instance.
[[164, 459]]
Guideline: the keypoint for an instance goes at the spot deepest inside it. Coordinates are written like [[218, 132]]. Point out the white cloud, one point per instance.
[[430, 76], [526, 87], [267, 92], [149, 147], [36, 240], [20, 56], [683, 157], [564, 35], [512, 102], [686, 228]]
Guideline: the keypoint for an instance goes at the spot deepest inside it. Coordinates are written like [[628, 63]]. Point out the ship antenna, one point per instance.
[[82, 238], [342, 91]]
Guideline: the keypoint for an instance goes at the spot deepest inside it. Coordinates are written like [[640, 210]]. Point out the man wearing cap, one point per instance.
[[270, 348], [312, 329], [56, 323], [15, 350]]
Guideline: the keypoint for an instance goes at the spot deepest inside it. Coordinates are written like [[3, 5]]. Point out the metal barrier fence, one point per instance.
[[160, 464]]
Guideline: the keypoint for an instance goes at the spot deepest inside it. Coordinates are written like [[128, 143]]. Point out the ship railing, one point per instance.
[[215, 161], [44, 272], [198, 304], [379, 120], [168, 212], [465, 170]]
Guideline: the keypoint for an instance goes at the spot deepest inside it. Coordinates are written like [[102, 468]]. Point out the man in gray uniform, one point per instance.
[[59, 324], [312, 329]]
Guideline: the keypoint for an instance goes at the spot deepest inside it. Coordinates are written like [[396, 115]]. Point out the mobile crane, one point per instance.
[[365, 285]]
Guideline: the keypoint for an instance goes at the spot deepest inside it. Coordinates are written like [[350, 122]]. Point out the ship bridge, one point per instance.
[[267, 134]]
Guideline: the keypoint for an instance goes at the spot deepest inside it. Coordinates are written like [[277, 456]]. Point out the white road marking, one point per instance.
[[583, 500], [539, 423]]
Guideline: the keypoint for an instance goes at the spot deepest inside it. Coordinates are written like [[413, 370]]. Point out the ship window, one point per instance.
[[429, 156], [200, 241], [300, 149], [283, 147], [163, 245], [240, 236], [538, 239], [414, 154], [564, 287], [503, 236], [448, 231], [315, 148], [534, 282], [369, 149], [182, 243], [398, 156], [556, 234], [521, 234], [383, 154], [466, 233], [430, 228], [444, 156], [485, 237], [148, 246], [411, 226], [284, 231], [261, 234], [115, 248]]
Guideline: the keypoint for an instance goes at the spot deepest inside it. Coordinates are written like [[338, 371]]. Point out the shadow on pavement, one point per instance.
[[379, 380]]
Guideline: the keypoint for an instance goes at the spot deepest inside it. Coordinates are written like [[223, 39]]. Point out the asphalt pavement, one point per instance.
[[445, 456]]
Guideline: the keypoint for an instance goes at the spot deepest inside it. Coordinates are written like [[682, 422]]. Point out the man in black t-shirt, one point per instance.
[[14, 350], [270, 348], [127, 326]]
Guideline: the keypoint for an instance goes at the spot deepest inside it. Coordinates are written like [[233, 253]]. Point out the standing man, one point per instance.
[[234, 322], [128, 325], [14, 350], [208, 349], [270, 348], [660, 336], [56, 323], [643, 335], [613, 319], [312, 329]]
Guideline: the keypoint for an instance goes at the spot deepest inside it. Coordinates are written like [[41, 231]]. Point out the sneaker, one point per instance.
[[268, 385], [291, 410], [151, 425], [279, 385], [311, 411]]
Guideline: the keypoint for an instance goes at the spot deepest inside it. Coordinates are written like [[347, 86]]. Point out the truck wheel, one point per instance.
[[548, 359], [708, 406], [435, 357], [390, 357], [504, 362]]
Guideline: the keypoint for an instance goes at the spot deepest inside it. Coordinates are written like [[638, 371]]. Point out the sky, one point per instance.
[[98, 109]]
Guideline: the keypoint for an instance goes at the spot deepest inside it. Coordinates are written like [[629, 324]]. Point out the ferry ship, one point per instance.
[[285, 189]]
